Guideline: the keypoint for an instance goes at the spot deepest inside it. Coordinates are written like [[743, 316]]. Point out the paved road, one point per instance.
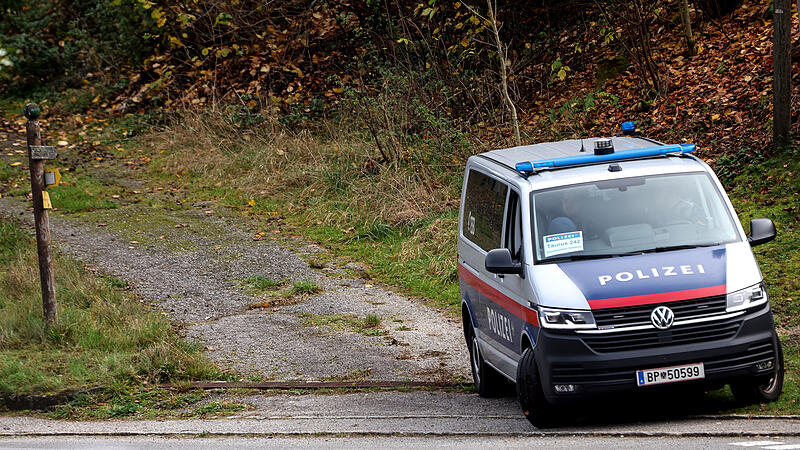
[[318, 442], [419, 413], [451, 426]]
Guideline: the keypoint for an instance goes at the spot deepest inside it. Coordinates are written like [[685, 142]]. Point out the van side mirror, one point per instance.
[[761, 231], [499, 261]]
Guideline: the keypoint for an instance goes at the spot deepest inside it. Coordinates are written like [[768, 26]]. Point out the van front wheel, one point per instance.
[[534, 405], [758, 391]]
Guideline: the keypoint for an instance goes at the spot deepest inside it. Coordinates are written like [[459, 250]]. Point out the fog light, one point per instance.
[[564, 388], [764, 365]]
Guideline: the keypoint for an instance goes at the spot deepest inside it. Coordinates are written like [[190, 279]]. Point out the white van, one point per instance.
[[603, 265]]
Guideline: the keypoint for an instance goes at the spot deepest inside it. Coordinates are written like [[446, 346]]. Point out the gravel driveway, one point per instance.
[[193, 264]]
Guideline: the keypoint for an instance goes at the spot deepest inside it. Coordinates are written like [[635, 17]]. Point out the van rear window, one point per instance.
[[483, 210]]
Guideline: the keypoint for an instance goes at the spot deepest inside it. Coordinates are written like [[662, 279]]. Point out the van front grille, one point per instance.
[[629, 316], [652, 338]]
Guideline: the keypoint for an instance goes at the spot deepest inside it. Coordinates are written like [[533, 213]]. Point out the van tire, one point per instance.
[[755, 390], [540, 412], [488, 381]]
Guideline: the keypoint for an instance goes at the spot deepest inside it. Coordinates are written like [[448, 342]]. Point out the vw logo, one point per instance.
[[662, 317]]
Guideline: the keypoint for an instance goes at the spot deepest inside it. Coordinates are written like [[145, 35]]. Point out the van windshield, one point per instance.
[[629, 216]]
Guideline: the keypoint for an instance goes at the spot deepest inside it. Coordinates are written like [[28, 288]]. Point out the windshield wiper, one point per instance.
[[635, 252], [679, 247], [593, 256]]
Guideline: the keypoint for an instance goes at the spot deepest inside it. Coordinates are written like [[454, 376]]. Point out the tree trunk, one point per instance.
[[782, 116], [503, 73], [687, 27]]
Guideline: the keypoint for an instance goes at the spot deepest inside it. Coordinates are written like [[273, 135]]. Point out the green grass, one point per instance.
[[304, 287], [772, 189], [78, 192], [260, 283], [104, 337], [82, 194]]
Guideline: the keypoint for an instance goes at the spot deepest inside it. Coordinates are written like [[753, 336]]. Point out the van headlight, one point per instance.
[[566, 319], [746, 298]]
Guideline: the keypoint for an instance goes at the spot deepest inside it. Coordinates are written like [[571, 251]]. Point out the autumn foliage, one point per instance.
[[421, 77]]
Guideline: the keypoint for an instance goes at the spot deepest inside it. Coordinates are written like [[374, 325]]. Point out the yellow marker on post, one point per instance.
[[52, 178], [46, 200]]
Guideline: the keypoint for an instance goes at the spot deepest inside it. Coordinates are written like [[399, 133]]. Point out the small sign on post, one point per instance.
[[37, 154], [42, 152]]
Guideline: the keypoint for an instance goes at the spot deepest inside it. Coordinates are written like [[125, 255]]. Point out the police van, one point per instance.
[[597, 266]]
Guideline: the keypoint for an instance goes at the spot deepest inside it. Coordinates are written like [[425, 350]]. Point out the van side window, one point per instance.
[[483, 210], [514, 226]]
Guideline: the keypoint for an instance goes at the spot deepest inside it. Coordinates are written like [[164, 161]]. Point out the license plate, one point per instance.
[[670, 374]]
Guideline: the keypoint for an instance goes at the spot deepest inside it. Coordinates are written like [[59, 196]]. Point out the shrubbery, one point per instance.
[[55, 44]]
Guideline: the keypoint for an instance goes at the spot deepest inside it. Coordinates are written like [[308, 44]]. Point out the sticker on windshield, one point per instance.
[[556, 244]]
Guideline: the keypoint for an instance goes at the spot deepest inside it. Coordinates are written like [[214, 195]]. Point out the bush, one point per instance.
[[55, 44]]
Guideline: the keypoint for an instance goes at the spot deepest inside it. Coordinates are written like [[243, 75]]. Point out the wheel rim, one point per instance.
[[476, 360], [770, 385]]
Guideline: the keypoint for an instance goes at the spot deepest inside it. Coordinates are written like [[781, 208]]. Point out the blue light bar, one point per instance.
[[524, 167], [528, 167], [628, 127]]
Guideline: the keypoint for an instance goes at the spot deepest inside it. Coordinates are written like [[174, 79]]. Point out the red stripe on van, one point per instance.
[[674, 296], [527, 314]]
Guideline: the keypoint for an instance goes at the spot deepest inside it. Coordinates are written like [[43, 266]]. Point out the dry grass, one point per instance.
[[269, 161], [436, 242]]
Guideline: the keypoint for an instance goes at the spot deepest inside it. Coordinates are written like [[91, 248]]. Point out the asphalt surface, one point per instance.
[[452, 425], [327, 442], [420, 413]]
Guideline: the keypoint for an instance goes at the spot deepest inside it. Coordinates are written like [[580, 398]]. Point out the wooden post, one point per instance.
[[42, 222], [687, 27], [782, 114]]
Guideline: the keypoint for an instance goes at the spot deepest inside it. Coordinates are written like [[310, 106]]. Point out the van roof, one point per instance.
[[571, 147]]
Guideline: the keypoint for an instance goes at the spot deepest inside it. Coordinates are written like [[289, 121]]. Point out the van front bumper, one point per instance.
[[572, 359]]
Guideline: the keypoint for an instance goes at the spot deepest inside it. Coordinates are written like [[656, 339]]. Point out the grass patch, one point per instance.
[[260, 283], [304, 287], [272, 293], [105, 336], [86, 194], [372, 321]]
